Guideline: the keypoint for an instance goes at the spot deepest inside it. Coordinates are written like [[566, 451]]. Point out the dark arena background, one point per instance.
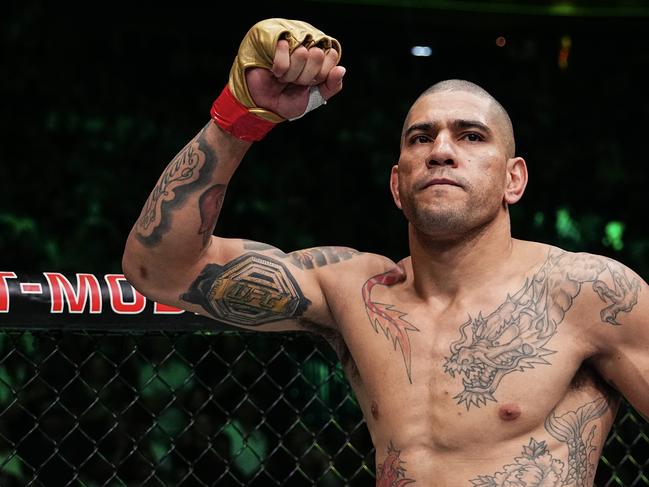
[[99, 387]]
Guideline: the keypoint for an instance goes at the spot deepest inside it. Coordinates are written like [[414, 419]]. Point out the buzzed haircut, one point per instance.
[[501, 115]]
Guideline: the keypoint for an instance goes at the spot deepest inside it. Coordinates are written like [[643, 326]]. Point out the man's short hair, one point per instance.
[[500, 114]]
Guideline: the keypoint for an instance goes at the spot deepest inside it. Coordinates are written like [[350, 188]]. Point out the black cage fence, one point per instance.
[[130, 404], [176, 409]]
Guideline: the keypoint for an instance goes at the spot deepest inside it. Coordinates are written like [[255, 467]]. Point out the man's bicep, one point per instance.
[[624, 342], [256, 286], [251, 290]]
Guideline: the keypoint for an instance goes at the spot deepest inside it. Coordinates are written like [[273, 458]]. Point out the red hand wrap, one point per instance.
[[233, 117]]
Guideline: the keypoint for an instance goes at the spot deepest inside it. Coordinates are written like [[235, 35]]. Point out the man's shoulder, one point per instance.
[[603, 284], [322, 257], [561, 259], [573, 263], [355, 263]]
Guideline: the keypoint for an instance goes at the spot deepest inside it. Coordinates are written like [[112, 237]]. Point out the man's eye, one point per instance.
[[473, 137], [420, 139]]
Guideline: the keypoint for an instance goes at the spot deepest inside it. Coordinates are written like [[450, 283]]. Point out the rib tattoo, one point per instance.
[[534, 468], [537, 468], [389, 320], [250, 290], [569, 428], [514, 336], [391, 473], [188, 171]]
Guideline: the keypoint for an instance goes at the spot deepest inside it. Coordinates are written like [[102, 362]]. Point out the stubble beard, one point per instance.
[[449, 221], [438, 222]]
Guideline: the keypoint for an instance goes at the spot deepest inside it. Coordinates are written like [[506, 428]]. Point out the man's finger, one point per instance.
[[331, 58], [312, 67], [297, 62], [281, 61], [334, 82]]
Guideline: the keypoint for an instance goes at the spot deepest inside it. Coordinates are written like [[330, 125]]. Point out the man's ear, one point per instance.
[[516, 180], [394, 185]]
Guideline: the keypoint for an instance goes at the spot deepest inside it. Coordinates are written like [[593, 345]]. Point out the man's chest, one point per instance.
[[475, 356], [459, 385], [491, 358]]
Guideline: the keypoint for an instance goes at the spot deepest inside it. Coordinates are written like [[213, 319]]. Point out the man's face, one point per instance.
[[452, 170]]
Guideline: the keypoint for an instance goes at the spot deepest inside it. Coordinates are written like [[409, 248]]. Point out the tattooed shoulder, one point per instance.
[[306, 259], [613, 283], [530, 316]]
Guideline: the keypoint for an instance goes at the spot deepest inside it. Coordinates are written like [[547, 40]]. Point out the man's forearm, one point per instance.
[[178, 218], [172, 234]]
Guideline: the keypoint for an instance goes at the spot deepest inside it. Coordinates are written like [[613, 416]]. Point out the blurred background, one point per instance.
[[98, 97]]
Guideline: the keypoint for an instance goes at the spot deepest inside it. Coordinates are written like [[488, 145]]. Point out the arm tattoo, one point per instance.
[[209, 205], [623, 298], [537, 467], [389, 320], [189, 170], [260, 246], [320, 256], [250, 290], [392, 473], [514, 336], [307, 258]]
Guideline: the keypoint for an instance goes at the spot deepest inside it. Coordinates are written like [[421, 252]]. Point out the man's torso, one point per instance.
[[494, 387]]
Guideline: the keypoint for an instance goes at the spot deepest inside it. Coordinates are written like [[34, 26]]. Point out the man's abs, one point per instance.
[[498, 444]]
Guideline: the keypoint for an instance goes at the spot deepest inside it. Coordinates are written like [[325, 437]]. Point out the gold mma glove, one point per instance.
[[234, 110]]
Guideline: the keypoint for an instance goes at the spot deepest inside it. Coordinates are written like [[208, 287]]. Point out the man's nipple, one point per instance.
[[375, 410], [509, 412]]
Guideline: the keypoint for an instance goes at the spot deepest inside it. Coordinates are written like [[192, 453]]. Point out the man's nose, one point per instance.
[[442, 152]]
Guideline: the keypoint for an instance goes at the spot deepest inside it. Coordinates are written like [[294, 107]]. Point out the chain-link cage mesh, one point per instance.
[[165, 409]]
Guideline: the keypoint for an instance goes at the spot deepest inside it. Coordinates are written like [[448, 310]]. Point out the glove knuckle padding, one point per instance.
[[257, 50]]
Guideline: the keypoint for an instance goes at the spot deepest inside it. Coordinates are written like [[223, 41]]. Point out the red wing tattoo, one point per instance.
[[391, 472], [385, 317]]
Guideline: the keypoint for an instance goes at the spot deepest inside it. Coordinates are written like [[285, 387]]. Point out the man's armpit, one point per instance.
[[251, 290]]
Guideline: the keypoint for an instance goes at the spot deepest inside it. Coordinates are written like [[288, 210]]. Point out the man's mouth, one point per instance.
[[439, 182]]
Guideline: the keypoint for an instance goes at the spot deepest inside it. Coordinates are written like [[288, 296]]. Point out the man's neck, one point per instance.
[[449, 268]]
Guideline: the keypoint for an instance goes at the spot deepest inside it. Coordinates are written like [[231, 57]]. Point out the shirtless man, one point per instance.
[[479, 360]]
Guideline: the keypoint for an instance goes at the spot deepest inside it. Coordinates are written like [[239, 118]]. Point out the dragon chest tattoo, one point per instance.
[[513, 337]]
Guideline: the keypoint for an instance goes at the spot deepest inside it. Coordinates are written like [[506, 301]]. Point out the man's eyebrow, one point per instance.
[[460, 124], [423, 126], [470, 124]]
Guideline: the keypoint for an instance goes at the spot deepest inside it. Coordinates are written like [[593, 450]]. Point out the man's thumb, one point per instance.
[[334, 82]]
